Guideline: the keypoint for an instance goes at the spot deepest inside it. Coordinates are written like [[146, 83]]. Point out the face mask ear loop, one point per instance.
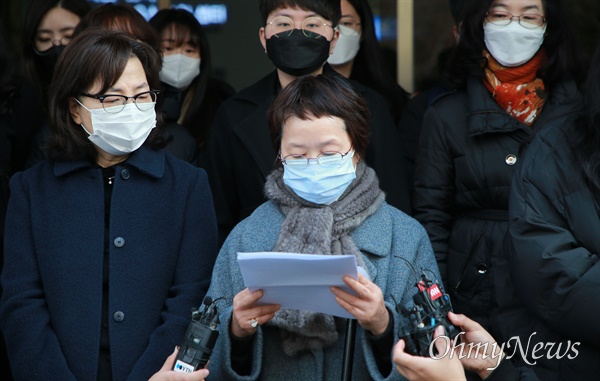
[[82, 126], [85, 129]]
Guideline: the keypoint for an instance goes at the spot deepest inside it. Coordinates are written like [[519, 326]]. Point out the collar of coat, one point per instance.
[[148, 161]]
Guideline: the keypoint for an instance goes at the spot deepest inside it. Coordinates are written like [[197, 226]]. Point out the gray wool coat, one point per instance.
[[383, 236]]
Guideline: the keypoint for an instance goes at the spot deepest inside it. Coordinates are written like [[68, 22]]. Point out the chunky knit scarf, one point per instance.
[[516, 89], [319, 229]]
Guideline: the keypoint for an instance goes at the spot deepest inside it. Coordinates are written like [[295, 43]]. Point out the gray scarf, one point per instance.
[[319, 229]]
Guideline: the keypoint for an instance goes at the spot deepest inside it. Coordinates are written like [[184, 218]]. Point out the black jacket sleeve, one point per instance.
[[218, 162], [551, 213], [434, 186]]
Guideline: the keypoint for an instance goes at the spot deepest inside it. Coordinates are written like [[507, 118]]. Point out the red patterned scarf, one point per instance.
[[516, 89]]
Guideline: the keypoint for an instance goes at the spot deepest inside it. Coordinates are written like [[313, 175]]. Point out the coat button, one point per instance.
[[119, 316], [119, 241], [511, 159], [125, 174], [482, 268]]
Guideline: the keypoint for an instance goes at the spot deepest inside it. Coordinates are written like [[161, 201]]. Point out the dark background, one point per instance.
[[239, 58]]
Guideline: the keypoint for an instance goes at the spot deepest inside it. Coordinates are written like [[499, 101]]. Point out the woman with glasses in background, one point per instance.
[[322, 199], [48, 27], [111, 241], [513, 71]]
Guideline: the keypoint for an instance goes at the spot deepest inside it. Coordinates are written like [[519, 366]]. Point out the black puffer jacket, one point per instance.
[[553, 293], [467, 154]]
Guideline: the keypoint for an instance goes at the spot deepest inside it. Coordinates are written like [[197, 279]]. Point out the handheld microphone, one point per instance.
[[431, 307], [200, 338]]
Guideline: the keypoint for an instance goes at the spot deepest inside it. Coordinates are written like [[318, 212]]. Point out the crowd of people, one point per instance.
[[131, 177]]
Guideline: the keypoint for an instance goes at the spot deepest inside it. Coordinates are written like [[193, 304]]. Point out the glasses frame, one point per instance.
[[512, 17], [308, 159], [292, 22], [53, 43], [102, 97], [350, 20]]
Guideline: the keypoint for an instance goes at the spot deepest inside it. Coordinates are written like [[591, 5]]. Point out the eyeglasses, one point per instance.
[[325, 159], [312, 27], [350, 22], [42, 45], [526, 20], [113, 103]]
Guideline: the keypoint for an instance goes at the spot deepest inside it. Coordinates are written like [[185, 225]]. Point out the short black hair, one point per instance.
[[320, 96], [328, 9]]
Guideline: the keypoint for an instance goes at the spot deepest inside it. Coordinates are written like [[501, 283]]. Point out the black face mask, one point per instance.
[[46, 61], [297, 54]]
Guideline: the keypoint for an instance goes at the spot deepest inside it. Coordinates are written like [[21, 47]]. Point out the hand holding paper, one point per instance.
[[365, 304], [300, 281]]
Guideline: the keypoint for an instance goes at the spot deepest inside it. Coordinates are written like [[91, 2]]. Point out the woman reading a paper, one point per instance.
[[323, 199]]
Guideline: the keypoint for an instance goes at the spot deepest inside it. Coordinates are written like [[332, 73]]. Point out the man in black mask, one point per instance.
[[298, 37]]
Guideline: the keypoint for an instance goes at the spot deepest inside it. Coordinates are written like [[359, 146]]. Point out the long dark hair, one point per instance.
[[369, 67], [95, 55], [186, 25], [588, 125], [36, 12], [564, 60], [8, 76]]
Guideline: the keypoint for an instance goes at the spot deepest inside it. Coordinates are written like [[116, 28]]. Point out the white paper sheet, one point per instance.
[[299, 281]]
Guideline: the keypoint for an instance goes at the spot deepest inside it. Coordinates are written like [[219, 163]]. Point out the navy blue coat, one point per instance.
[[162, 248]]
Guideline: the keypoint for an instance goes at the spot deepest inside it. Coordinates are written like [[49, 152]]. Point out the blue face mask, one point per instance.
[[321, 182]]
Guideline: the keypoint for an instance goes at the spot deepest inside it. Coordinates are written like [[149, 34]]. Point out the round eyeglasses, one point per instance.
[[312, 27], [113, 103], [325, 159], [526, 20]]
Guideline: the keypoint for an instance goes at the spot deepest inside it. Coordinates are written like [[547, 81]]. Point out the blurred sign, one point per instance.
[[206, 14]]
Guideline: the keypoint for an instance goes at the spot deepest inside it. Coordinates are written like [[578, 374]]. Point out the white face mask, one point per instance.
[[512, 45], [179, 70], [321, 182], [123, 132], [346, 47]]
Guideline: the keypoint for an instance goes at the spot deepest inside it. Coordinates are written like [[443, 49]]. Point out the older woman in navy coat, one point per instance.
[[111, 241]]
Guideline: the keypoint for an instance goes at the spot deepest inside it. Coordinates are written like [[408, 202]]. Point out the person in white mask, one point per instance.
[[359, 56], [513, 71], [192, 95], [322, 199], [124, 17], [111, 240]]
